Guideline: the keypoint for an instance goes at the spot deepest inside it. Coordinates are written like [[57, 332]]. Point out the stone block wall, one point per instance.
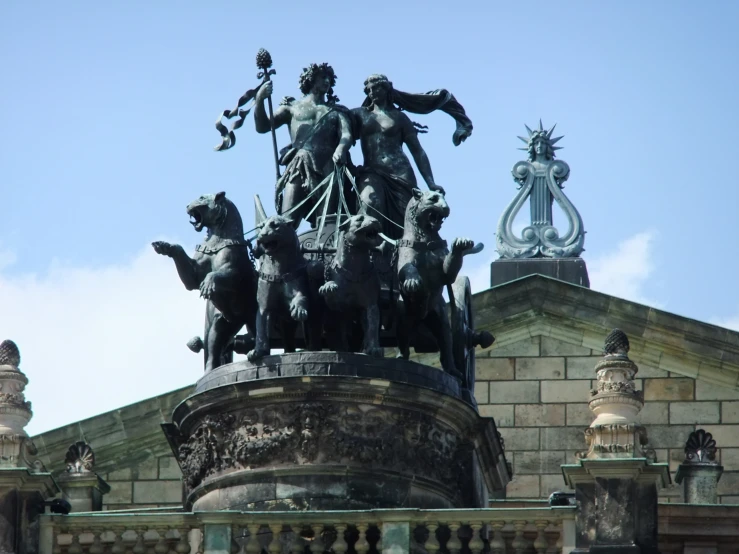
[[537, 391], [155, 482]]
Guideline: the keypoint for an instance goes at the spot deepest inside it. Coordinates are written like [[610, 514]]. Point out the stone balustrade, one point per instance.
[[540, 530]]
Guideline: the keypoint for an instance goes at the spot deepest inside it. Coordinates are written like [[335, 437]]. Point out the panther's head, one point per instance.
[[276, 233], [210, 210], [427, 210], [361, 231]]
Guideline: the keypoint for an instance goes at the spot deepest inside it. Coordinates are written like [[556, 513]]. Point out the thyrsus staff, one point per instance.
[[320, 134]]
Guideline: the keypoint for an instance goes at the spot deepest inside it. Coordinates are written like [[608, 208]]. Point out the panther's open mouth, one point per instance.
[[196, 220], [435, 219], [268, 243]]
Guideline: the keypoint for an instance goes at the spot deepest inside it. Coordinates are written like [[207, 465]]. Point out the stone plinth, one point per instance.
[[570, 270], [617, 504], [84, 491], [327, 430], [700, 472]]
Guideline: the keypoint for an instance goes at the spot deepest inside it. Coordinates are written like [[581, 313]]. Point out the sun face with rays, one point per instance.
[[540, 144]]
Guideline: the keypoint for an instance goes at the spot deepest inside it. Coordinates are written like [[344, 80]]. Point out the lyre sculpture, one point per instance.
[[540, 179]]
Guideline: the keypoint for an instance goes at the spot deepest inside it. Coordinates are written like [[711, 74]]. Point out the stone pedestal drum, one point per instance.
[[327, 430]]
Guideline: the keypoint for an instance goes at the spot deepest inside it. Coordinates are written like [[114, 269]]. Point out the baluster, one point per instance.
[[139, 547], [75, 547], [253, 546], [161, 545], [432, 545], [275, 546], [183, 544], [378, 546], [340, 545], [201, 540], [519, 542], [297, 544], [476, 545], [316, 545], [97, 546], [117, 547], [56, 547], [541, 544], [497, 543], [560, 539], [362, 546], [454, 545]]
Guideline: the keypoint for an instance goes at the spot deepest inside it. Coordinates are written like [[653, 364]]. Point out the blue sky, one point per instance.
[[106, 133]]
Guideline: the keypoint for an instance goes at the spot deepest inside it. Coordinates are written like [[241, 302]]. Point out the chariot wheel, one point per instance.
[[464, 337]]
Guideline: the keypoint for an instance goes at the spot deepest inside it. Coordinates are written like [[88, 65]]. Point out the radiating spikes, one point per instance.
[[523, 139], [524, 149], [541, 126], [556, 140], [529, 129], [557, 147], [549, 133]]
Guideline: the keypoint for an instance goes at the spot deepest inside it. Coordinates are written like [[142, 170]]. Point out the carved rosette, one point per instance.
[[15, 410], [616, 403]]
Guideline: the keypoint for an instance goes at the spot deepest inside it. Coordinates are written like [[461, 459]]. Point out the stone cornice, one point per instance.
[[542, 306]]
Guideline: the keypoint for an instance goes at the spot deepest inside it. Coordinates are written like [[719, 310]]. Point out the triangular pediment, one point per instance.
[[539, 306]]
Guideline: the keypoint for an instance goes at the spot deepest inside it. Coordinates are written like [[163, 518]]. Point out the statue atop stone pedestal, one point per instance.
[[540, 179]]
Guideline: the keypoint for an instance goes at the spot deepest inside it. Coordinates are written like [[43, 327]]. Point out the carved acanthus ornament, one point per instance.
[[616, 403], [540, 180], [700, 449]]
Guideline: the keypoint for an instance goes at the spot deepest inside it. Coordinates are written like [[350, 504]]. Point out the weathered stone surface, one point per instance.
[[523, 486], [157, 492], [694, 412], [728, 484], [124, 474], [168, 468], [501, 413], [554, 347], [709, 391], [581, 367], [527, 347], [520, 439], [654, 413], [724, 435], [559, 438], [552, 483], [669, 436], [579, 415], [538, 415], [147, 469], [565, 391], [540, 368], [730, 458], [514, 392], [668, 389], [729, 412], [494, 369], [536, 463], [121, 492], [482, 389]]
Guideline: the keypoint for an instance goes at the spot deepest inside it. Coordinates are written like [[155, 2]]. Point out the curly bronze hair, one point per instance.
[[308, 77]]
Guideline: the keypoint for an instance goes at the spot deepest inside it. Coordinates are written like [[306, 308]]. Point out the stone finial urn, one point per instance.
[[616, 404], [15, 410]]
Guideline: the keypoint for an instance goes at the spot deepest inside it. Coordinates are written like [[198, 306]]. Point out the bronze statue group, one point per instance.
[[372, 270]]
